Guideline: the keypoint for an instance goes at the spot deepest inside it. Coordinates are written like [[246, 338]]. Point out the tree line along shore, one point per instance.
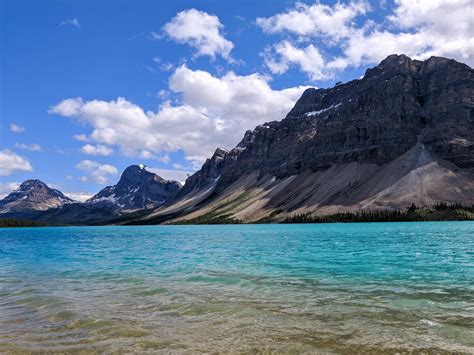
[[439, 212]]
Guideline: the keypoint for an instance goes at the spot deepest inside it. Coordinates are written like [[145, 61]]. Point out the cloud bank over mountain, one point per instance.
[[212, 111]]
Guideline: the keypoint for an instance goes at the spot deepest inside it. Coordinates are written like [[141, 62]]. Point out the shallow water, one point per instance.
[[334, 288]]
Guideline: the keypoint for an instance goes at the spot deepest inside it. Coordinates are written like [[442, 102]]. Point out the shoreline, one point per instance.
[[440, 213]]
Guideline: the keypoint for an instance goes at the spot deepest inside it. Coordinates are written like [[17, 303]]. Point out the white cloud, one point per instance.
[[7, 187], [419, 29], [80, 137], [16, 128], [200, 30], [446, 26], [146, 154], [331, 22], [31, 147], [309, 60], [79, 196], [424, 30], [72, 22], [98, 149], [169, 174], [11, 162], [68, 107], [178, 166], [97, 172], [214, 111]]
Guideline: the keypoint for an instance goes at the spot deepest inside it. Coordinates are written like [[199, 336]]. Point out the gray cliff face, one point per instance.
[[396, 105], [137, 188], [33, 195]]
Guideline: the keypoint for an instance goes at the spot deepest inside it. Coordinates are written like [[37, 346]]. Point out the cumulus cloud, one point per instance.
[[98, 149], [201, 31], [31, 147], [7, 187], [309, 59], [419, 29], [71, 22], [332, 22], [98, 173], [16, 128], [446, 26], [214, 111], [68, 107], [11, 162]]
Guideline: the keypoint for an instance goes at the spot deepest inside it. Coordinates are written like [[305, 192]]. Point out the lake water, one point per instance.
[[334, 288]]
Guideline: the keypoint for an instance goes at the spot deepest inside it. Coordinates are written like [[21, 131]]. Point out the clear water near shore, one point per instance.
[[337, 288]]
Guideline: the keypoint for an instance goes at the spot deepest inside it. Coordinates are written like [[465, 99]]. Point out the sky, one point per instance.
[[88, 88]]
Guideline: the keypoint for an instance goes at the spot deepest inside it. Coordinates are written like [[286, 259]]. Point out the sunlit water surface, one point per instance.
[[335, 288]]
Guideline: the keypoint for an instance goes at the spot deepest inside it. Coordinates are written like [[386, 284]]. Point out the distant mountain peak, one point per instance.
[[138, 188], [136, 167], [33, 195], [27, 184]]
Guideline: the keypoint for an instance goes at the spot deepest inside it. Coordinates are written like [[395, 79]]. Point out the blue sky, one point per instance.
[[90, 87]]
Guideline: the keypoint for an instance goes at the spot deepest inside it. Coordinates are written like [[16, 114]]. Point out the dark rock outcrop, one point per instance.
[[33, 195]]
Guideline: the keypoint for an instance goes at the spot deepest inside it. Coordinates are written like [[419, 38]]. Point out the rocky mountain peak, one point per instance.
[[33, 195], [136, 174], [219, 154], [32, 184], [209, 173], [403, 133], [396, 64], [137, 188], [398, 104]]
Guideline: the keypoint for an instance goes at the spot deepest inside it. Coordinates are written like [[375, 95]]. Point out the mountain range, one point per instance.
[[137, 190], [403, 134]]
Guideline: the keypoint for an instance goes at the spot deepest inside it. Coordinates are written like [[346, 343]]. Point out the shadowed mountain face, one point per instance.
[[397, 104], [403, 133], [33, 195], [137, 188]]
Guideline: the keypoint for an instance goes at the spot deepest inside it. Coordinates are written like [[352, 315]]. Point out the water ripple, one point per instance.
[[372, 288]]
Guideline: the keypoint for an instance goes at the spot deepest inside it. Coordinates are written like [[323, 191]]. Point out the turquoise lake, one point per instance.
[[330, 288]]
